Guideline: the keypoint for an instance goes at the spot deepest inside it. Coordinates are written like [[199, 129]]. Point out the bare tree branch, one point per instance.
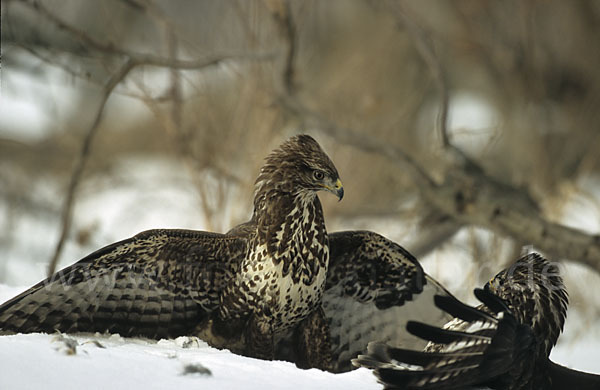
[[181, 137], [467, 194], [282, 14], [473, 198], [52, 61], [435, 231], [130, 63], [424, 47], [425, 50], [141, 58], [360, 141], [67, 211]]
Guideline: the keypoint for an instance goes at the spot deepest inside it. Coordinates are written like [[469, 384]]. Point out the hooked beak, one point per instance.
[[337, 189]]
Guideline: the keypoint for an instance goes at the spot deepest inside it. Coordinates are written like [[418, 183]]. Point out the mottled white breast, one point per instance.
[[277, 295], [288, 285]]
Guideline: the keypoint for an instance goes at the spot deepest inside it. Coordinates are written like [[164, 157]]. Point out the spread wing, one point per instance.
[[159, 283], [373, 287], [483, 346]]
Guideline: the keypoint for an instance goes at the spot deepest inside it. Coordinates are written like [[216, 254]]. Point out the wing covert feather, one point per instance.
[[159, 283], [483, 349], [373, 287]]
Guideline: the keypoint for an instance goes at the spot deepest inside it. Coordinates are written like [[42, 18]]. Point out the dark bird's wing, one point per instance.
[[159, 283], [373, 287], [490, 349]]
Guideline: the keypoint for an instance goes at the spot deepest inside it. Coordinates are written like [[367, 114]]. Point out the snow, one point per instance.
[[110, 361], [41, 361], [31, 361]]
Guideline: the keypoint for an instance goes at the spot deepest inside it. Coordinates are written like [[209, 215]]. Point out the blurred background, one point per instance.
[[125, 115]]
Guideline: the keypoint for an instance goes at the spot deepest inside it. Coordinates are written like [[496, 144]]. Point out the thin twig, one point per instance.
[[180, 135], [471, 197], [142, 58], [425, 50], [289, 28], [282, 14], [360, 141], [467, 196], [67, 211]]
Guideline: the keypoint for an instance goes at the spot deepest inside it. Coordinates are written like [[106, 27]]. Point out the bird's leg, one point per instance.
[[259, 338], [313, 342]]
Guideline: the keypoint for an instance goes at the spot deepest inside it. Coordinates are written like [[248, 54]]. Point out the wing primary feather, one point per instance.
[[420, 358], [439, 336], [131, 287], [491, 346], [457, 309]]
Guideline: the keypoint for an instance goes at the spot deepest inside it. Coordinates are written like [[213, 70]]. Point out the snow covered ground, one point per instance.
[[35, 361], [41, 361]]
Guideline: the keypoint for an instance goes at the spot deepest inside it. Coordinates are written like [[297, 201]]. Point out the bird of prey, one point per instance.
[[252, 283], [504, 343], [271, 272]]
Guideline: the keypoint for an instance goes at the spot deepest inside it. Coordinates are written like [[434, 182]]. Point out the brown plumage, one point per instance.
[[275, 286], [504, 343], [263, 277]]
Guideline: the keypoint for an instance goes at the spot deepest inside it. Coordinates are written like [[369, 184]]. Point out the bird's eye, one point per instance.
[[319, 175]]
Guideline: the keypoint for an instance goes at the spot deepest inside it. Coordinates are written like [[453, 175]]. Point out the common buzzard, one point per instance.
[[277, 286], [504, 343], [251, 284]]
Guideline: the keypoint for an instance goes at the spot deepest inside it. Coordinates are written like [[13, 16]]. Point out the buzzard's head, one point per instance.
[[299, 166], [533, 289]]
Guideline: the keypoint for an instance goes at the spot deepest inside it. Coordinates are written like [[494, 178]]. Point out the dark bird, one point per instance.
[[253, 283], [504, 343]]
